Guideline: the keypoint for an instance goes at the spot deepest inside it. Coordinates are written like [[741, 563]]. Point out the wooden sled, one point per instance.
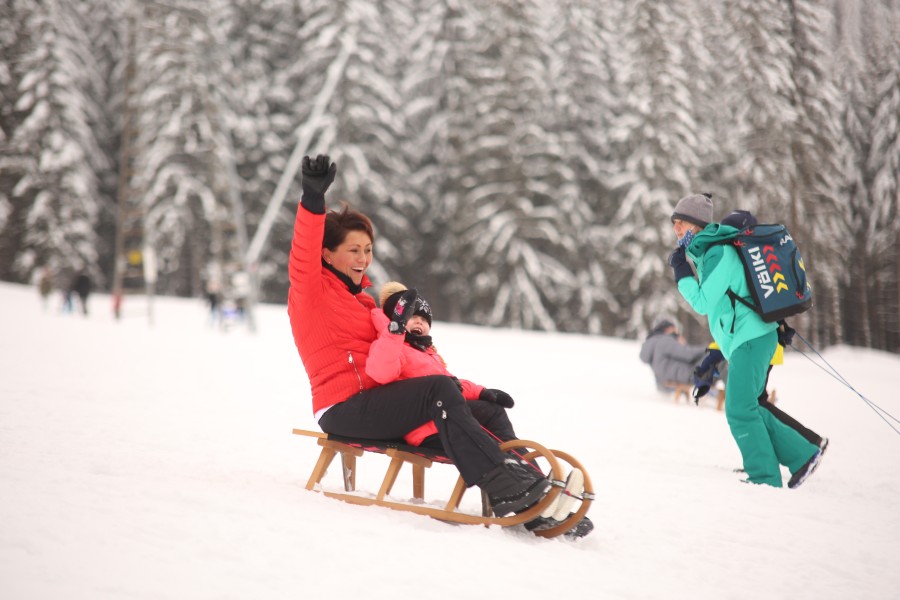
[[687, 390], [420, 459]]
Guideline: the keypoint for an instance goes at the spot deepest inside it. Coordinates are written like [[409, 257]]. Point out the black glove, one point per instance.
[[785, 333], [317, 175], [706, 373], [711, 361], [497, 397], [402, 312], [678, 262]]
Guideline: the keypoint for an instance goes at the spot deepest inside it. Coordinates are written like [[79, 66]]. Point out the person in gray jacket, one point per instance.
[[671, 359]]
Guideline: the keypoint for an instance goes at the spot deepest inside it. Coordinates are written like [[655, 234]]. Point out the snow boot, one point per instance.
[[513, 486], [803, 473], [581, 529], [560, 508]]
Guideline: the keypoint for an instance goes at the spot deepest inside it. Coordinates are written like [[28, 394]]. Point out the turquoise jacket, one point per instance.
[[719, 269]]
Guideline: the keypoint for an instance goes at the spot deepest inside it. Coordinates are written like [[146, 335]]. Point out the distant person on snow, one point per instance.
[[81, 286], [746, 341], [332, 326], [214, 298], [45, 286], [670, 357]]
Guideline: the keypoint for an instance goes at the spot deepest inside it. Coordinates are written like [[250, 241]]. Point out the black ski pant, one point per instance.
[[808, 434], [491, 416], [389, 412]]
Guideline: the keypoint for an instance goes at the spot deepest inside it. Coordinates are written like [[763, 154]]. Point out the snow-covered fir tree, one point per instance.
[[868, 295], [427, 52], [14, 41], [180, 150], [104, 26], [815, 207], [885, 165], [758, 89], [655, 138], [582, 36], [513, 183], [371, 130], [278, 60], [52, 159]]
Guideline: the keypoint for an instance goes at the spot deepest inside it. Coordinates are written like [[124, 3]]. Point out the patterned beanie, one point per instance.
[[390, 294]]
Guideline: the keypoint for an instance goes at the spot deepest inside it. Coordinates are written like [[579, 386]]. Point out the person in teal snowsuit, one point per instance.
[[746, 341]]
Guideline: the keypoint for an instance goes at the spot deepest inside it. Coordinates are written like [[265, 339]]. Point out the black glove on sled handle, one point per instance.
[[497, 397]]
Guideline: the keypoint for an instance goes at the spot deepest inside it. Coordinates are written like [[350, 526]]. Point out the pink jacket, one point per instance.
[[392, 359]]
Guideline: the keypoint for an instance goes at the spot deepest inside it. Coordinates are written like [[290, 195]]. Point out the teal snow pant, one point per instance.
[[764, 441]]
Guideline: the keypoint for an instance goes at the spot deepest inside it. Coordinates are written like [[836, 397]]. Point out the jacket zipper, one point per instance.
[[355, 370]]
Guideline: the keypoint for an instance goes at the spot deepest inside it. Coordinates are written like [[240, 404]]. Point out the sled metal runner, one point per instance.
[[420, 459]]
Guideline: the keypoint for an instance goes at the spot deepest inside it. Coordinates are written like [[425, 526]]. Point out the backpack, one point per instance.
[[775, 272]]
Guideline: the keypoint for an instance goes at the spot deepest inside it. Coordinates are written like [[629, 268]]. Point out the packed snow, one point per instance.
[[143, 460]]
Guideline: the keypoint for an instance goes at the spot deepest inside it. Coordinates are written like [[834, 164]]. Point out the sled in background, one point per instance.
[[420, 459], [687, 390]]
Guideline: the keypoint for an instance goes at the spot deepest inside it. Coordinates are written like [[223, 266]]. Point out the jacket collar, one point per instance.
[[711, 235], [419, 342], [352, 287]]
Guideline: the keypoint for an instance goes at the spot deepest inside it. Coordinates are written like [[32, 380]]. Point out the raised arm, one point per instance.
[[305, 263]]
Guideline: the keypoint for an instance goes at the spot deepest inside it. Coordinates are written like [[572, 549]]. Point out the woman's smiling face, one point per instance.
[[352, 257]]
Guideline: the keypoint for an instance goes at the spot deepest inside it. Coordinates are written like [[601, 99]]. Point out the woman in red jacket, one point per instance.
[[333, 330], [395, 357]]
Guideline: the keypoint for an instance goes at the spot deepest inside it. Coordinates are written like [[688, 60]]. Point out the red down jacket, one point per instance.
[[391, 359], [332, 327]]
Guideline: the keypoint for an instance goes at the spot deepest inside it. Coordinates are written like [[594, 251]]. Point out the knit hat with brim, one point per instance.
[[696, 209]]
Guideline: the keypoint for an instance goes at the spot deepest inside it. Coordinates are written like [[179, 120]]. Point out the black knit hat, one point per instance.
[[696, 209], [661, 327], [423, 309]]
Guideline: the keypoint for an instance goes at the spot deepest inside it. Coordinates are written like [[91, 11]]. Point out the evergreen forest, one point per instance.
[[520, 159]]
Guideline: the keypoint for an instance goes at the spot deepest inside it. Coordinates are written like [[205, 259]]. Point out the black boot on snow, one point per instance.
[[513, 487], [803, 473], [581, 528]]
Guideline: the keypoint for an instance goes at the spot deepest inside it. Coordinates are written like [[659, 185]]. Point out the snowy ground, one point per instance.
[[158, 462]]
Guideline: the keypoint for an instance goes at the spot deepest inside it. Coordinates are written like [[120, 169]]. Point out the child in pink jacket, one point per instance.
[[407, 352], [404, 350]]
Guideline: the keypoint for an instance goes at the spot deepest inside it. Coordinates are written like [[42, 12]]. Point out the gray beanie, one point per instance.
[[696, 209]]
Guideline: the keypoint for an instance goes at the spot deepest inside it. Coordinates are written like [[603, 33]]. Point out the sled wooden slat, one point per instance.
[[443, 514], [420, 459], [456, 496], [398, 458], [330, 449]]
